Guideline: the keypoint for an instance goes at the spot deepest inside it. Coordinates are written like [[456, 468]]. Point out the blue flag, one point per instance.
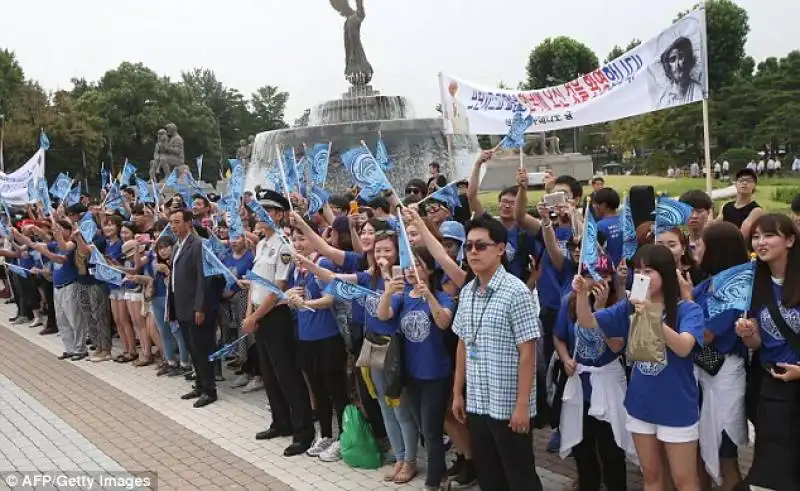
[[347, 291], [589, 252], [366, 172], [105, 273], [406, 259], [88, 230], [318, 158], [4, 230], [274, 176], [167, 232], [74, 196], [128, 171], [516, 130], [317, 199], [44, 196], [228, 204], [448, 195], [290, 170], [212, 266], [114, 197], [217, 247], [265, 283], [44, 141], [33, 191], [143, 191], [60, 187], [172, 180], [382, 155], [235, 226], [227, 349], [261, 214], [18, 270], [96, 257], [629, 242], [731, 289], [237, 178], [671, 213]]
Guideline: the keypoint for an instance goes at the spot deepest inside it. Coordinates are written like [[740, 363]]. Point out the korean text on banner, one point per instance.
[[14, 186], [667, 71]]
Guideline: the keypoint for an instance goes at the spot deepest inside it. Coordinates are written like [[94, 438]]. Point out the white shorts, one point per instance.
[[133, 296], [666, 434]]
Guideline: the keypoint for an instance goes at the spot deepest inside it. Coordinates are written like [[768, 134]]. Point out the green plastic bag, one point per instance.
[[358, 446]]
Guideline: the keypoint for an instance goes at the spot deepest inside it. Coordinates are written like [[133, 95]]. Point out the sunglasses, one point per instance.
[[384, 233], [412, 191], [478, 246]]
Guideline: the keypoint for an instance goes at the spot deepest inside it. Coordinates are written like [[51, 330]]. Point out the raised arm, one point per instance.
[[525, 221], [437, 250], [474, 183], [337, 256]]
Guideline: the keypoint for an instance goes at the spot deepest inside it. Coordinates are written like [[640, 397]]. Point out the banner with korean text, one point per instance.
[[14, 186], [666, 71]]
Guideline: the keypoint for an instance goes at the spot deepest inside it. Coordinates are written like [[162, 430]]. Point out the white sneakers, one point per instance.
[[253, 385], [332, 453], [240, 381], [320, 445]]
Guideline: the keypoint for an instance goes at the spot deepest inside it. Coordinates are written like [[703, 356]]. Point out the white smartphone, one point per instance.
[[397, 272], [641, 285], [553, 199]]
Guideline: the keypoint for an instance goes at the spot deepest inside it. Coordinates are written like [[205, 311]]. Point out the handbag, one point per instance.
[[709, 359], [646, 339], [373, 351], [788, 334]]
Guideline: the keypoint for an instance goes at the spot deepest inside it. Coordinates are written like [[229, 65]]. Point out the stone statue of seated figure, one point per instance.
[[541, 144]]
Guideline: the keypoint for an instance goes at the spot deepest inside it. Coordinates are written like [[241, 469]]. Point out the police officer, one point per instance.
[[275, 336]]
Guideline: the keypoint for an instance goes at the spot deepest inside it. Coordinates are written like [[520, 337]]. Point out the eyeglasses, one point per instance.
[[384, 233], [745, 180], [412, 191], [478, 246]]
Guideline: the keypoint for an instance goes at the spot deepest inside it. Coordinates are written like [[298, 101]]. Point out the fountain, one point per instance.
[[361, 114]]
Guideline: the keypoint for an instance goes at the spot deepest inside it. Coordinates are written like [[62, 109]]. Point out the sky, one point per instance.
[[297, 44]]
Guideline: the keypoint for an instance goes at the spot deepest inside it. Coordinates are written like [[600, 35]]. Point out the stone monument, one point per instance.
[[359, 115], [172, 151], [159, 164], [241, 152]]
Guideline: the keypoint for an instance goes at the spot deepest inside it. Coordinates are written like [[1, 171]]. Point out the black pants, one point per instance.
[[547, 317], [201, 341], [428, 400], [371, 407], [251, 366], [599, 447], [283, 382], [24, 295], [776, 455], [503, 459], [48, 288], [324, 364]]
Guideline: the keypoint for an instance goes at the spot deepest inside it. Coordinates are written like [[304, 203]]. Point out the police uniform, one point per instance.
[[276, 343]]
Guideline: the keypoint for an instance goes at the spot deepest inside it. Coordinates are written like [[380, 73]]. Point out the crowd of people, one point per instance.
[[493, 317]]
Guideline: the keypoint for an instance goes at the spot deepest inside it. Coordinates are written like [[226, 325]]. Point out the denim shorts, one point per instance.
[[116, 294]]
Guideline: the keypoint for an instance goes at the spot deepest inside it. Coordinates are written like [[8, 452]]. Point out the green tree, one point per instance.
[[558, 60], [11, 79], [617, 51], [267, 106]]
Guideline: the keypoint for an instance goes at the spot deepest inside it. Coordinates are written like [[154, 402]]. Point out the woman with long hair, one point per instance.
[[662, 397], [592, 427], [424, 312], [774, 332], [676, 241], [240, 260], [112, 229], [397, 418], [722, 418], [134, 293]]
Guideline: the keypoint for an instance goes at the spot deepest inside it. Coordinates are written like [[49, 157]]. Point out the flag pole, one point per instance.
[[707, 145], [283, 178]]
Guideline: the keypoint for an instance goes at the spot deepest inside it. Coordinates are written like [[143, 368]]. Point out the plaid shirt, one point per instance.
[[492, 324]]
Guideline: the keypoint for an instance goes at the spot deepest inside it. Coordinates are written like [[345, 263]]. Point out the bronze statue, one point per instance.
[[357, 70], [173, 150]]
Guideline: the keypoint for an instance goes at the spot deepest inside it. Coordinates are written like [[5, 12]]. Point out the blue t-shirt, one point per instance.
[[611, 228], [369, 307], [25, 260], [159, 280], [238, 266], [320, 324], [66, 272], [723, 326], [774, 348], [425, 355], [114, 251], [517, 262], [591, 350], [552, 282], [661, 393], [353, 262]]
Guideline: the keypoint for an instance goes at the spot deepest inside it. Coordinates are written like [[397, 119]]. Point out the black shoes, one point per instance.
[[66, 355], [204, 400], [48, 330], [190, 376], [271, 433], [79, 356], [467, 476], [297, 448], [194, 394]]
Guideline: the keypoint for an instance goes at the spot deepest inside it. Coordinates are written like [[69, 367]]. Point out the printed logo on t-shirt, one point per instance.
[[590, 344], [791, 316], [511, 251], [651, 368], [416, 326], [371, 304]]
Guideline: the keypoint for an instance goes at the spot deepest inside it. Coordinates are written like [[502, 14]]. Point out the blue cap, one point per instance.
[[453, 230]]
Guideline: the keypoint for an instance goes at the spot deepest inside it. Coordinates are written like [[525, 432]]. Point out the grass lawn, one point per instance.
[[765, 191]]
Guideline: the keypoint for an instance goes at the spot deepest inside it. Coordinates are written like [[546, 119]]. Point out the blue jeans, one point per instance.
[[427, 400], [170, 334], [400, 426]]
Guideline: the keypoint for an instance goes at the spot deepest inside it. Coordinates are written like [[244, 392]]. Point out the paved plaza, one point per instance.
[[124, 421]]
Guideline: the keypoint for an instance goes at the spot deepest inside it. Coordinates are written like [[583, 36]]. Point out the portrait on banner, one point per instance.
[[678, 74]]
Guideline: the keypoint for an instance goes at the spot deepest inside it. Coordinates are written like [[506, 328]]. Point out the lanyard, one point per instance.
[[476, 325]]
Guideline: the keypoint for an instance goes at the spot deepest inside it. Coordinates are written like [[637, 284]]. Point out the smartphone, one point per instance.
[[775, 368], [641, 284], [354, 207], [553, 199], [397, 272]]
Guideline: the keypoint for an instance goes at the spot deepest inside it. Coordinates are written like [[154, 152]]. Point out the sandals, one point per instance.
[[389, 477], [143, 362], [406, 474], [125, 358]]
